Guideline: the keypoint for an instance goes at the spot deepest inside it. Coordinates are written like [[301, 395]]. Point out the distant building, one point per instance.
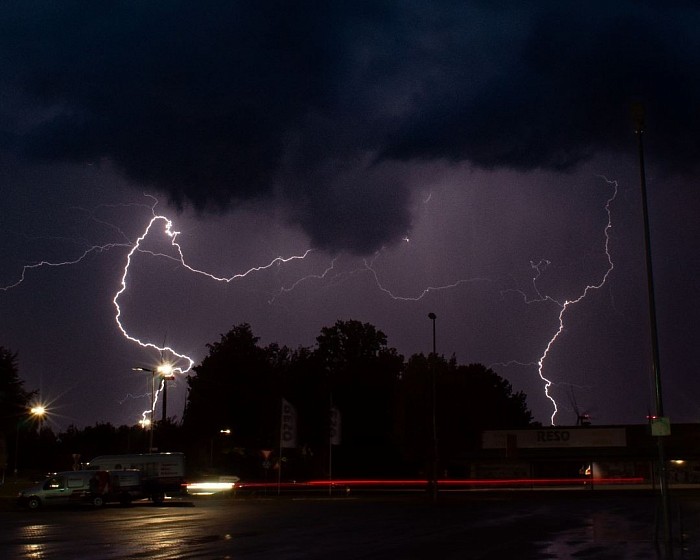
[[612, 454]]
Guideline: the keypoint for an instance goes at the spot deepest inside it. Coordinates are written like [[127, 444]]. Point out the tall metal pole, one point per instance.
[[152, 422], [330, 443], [638, 114], [434, 467], [165, 371], [281, 457], [17, 448], [165, 401], [153, 404]]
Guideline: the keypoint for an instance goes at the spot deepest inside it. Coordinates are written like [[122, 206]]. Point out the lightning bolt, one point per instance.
[[332, 278], [566, 305], [330, 275], [539, 269], [183, 363], [92, 249], [51, 264], [129, 396], [369, 266]]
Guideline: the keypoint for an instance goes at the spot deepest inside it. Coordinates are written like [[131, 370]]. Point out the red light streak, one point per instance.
[[444, 483]]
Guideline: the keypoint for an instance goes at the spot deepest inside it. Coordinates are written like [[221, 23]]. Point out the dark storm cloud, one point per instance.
[[315, 102], [564, 91], [193, 100]]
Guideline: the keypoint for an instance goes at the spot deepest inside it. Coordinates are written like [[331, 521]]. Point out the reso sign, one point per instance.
[[553, 435]]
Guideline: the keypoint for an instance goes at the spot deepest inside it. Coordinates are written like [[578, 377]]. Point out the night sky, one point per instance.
[[475, 159]]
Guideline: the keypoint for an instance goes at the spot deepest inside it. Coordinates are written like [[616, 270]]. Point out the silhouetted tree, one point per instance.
[[361, 375], [304, 385], [237, 387], [89, 442], [413, 414], [385, 405], [14, 402], [469, 400]]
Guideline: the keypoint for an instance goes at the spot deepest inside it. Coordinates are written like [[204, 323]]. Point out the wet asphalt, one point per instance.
[[469, 525]]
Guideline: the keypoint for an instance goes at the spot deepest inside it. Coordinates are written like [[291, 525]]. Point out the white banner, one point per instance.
[[335, 426], [288, 433]]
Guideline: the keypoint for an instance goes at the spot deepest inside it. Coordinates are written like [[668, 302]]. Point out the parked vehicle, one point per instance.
[[125, 486], [96, 487], [163, 473]]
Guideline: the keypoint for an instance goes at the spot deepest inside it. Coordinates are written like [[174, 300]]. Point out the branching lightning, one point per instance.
[[369, 266], [539, 269], [567, 304], [49, 264], [181, 362], [137, 247], [326, 273], [330, 276]]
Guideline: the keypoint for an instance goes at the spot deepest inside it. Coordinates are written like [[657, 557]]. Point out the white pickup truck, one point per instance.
[[96, 487]]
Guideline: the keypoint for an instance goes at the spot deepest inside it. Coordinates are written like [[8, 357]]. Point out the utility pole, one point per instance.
[[163, 371], [660, 426], [433, 483]]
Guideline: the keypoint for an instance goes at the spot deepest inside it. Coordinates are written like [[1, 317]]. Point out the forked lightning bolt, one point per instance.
[[48, 264], [182, 363], [180, 258], [567, 304], [539, 268], [369, 266], [330, 275]]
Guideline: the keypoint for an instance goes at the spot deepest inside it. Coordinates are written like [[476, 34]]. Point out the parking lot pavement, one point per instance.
[[603, 525]]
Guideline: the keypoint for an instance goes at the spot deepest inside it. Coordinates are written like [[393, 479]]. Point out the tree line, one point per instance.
[[355, 407]]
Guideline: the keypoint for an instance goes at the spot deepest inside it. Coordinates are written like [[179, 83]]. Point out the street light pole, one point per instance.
[[151, 421], [164, 409], [164, 371], [17, 448], [659, 425], [434, 468], [152, 425]]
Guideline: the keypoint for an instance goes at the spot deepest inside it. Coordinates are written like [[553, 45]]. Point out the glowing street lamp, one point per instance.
[[39, 413], [223, 432]]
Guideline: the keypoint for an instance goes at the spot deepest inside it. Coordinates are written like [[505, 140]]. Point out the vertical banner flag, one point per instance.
[[335, 426], [288, 433]]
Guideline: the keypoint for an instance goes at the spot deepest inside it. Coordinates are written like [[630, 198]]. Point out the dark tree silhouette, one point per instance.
[[237, 387], [14, 402], [14, 399], [469, 400], [362, 373], [385, 405]]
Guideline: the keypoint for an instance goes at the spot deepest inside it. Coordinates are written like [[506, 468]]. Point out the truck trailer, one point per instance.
[[162, 473]]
